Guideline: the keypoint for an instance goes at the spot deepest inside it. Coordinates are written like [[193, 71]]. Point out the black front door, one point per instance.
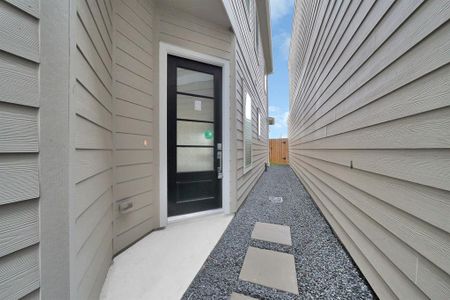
[[194, 136]]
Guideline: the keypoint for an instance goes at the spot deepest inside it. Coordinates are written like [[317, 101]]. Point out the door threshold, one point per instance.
[[199, 214]]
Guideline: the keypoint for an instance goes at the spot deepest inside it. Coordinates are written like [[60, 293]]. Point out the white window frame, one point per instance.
[[258, 123], [248, 3], [248, 9], [257, 40], [247, 112], [266, 82]]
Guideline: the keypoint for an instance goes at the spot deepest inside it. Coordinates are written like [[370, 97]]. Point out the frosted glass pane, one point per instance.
[[194, 108], [194, 82], [195, 133], [195, 159]]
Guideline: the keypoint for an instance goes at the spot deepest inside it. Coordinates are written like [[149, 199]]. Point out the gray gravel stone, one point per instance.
[[324, 268]]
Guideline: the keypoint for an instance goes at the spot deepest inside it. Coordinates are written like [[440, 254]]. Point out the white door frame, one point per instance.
[[164, 50]]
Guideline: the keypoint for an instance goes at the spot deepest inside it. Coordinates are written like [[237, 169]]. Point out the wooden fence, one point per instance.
[[278, 151]]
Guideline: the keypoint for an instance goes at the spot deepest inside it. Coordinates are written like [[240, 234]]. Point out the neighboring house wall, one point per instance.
[[19, 147], [250, 71], [369, 135], [135, 167]]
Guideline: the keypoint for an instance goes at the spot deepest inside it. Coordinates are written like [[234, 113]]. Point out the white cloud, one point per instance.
[[285, 118], [279, 129], [280, 8], [274, 110], [283, 42], [285, 45]]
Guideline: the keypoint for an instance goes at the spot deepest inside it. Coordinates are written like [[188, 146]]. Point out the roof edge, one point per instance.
[[263, 8]]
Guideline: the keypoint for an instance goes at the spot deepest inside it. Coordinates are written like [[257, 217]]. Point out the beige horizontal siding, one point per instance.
[[369, 131], [35, 295], [249, 77], [19, 273], [20, 31], [179, 28], [19, 149], [92, 156], [20, 81], [133, 121]]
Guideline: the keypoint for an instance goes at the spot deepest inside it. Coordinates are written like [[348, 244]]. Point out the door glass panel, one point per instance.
[[194, 82], [195, 133], [195, 108], [194, 159]]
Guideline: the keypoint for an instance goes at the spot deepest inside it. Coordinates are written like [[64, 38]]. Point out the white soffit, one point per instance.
[[209, 10]]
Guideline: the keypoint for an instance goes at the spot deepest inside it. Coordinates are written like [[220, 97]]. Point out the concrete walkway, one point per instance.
[[163, 264], [274, 250]]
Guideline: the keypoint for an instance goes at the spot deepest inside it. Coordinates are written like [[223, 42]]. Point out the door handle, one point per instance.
[[219, 158]]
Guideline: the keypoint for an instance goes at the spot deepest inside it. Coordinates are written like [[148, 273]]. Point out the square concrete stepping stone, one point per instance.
[[270, 268], [236, 296], [274, 233]]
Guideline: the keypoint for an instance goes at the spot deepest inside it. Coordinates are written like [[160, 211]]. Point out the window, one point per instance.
[[259, 124], [247, 11], [256, 33], [247, 5], [247, 132], [265, 83]]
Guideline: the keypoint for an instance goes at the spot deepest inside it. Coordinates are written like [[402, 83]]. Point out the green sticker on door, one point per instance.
[[208, 134]]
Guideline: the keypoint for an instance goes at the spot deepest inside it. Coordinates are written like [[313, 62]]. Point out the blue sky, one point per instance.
[[281, 17]]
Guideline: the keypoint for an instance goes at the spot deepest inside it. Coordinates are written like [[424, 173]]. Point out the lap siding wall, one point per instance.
[[91, 106], [19, 149], [134, 166], [369, 134], [250, 71]]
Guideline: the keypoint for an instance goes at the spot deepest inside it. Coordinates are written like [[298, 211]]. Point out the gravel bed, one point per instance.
[[324, 268]]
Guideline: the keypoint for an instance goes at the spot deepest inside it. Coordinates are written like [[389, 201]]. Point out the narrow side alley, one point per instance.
[[323, 268]]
